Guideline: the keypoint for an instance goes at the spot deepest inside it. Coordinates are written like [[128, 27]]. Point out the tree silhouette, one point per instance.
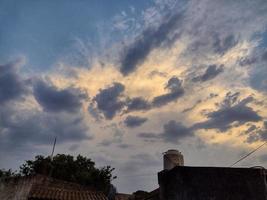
[[80, 170]]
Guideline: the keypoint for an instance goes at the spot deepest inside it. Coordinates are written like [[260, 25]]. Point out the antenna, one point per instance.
[[52, 154], [248, 154]]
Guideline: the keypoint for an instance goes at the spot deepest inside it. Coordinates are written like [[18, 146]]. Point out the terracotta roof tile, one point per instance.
[[120, 196], [44, 192]]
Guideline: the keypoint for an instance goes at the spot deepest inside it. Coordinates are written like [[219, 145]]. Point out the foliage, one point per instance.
[[7, 173], [81, 170]]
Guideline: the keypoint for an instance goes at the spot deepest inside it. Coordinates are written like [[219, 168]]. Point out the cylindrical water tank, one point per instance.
[[172, 158]]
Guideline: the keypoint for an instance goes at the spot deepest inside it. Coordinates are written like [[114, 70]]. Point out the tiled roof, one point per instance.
[[120, 196], [51, 193]]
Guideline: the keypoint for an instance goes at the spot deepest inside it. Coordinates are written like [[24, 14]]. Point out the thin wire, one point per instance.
[[248, 154]]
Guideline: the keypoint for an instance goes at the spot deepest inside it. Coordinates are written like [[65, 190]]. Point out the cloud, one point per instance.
[[211, 72], [230, 111], [173, 132], [263, 131], [53, 99], [95, 113], [258, 71], [24, 129], [176, 90], [124, 146], [111, 100], [154, 73], [256, 134], [192, 107], [137, 103], [264, 56], [151, 38], [134, 121], [223, 44], [210, 41], [108, 101], [12, 86], [244, 61], [117, 136], [138, 162]]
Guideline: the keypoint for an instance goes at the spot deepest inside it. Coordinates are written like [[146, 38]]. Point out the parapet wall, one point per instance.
[[212, 183]]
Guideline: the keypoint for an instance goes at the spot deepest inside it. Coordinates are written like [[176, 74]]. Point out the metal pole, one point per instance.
[[52, 154]]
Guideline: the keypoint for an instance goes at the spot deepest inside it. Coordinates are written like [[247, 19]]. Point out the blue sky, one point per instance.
[[45, 31], [123, 81]]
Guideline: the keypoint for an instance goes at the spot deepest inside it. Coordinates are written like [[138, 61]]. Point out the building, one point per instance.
[[176, 182], [44, 188], [212, 183], [179, 182]]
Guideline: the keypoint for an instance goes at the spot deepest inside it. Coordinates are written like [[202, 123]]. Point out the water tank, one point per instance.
[[172, 158]]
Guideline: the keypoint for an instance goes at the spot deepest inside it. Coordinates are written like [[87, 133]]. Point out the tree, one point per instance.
[[80, 170], [7, 173]]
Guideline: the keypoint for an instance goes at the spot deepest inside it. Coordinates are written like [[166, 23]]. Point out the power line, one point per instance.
[[247, 155]]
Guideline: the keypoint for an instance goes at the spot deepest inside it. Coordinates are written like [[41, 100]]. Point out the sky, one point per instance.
[[123, 81]]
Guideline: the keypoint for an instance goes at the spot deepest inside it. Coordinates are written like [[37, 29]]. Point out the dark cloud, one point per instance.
[[253, 138], [124, 146], [173, 132], [95, 112], [257, 133], [149, 135], [206, 41], [24, 129], [258, 80], [230, 111], [176, 90], [211, 72], [12, 86], [111, 100], [251, 133], [134, 121], [250, 129], [53, 99], [247, 61], [151, 38], [264, 56], [263, 131], [258, 72], [108, 100], [230, 99], [137, 103], [192, 107], [222, 44], [211, 96]]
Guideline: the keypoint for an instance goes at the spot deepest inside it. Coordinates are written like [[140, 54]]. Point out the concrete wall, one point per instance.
[[211, 183]]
